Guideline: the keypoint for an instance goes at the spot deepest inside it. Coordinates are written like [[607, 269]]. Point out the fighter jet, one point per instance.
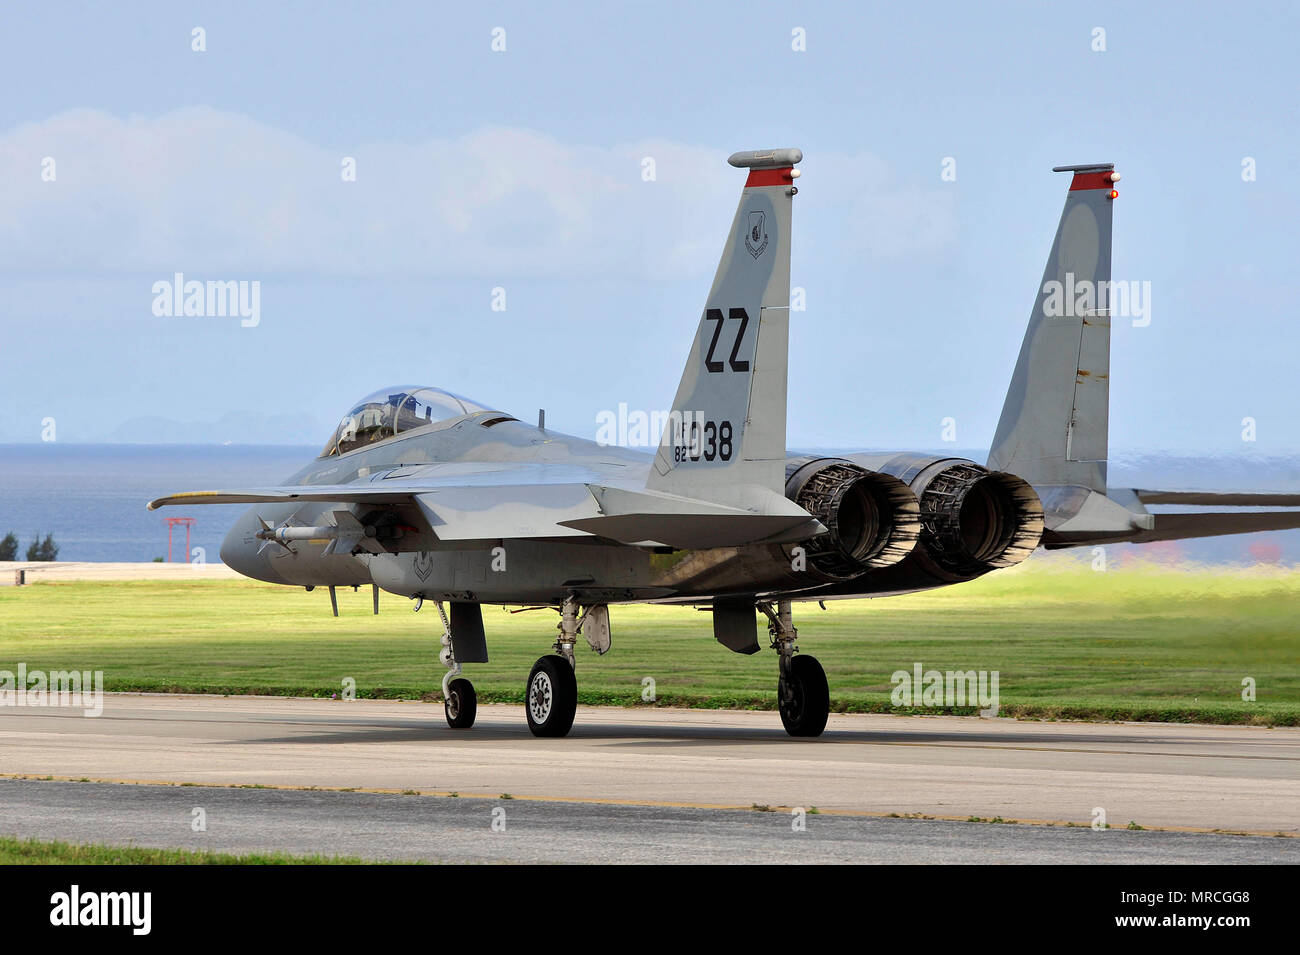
[[431, 496]]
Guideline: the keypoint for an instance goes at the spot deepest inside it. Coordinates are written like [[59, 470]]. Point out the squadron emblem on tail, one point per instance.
[[756, 237]]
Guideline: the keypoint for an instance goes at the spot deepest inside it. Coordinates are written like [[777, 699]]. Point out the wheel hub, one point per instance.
[[540, 697]]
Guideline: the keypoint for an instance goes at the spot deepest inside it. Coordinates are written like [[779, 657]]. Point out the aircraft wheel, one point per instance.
[[461, 705], [551, 697], [810, 704]]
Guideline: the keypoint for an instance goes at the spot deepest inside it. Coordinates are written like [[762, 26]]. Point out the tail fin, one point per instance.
[[727, 428], [1054, 424]]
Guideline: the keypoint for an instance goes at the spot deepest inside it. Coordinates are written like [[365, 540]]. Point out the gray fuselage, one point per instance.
[[523, 571]]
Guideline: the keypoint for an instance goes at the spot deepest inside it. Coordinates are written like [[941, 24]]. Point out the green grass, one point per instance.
[[1138, 642], [39, 852]]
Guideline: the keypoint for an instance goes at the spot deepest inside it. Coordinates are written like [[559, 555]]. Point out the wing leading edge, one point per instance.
[[469, 512]]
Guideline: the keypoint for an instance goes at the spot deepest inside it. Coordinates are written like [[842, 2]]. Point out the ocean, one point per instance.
[[92, 497]]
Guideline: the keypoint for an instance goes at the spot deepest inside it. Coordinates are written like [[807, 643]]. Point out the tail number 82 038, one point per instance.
[[710, 440]]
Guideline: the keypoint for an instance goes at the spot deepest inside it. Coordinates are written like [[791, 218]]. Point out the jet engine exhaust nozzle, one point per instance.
[[873, 519], [978, 520]]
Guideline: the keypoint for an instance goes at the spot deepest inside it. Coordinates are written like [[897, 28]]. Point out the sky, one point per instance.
[[488, 177]]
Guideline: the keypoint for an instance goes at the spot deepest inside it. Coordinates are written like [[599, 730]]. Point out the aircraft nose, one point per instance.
[[239, 551]]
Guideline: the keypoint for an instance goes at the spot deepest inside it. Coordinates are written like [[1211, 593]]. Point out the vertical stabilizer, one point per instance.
[[727, 427], [1054, 424]]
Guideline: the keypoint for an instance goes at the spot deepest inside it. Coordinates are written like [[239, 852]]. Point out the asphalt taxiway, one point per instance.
[[644, 784], [382, 826]]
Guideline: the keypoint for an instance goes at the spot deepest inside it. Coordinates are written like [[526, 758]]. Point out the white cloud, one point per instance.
[[203, 191]]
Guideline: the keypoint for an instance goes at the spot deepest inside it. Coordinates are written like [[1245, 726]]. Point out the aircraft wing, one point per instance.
[[470, 511], [342, 493], [454, 512]]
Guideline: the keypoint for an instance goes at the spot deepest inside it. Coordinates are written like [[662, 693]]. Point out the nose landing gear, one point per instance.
[[460, 704], [459, 701]]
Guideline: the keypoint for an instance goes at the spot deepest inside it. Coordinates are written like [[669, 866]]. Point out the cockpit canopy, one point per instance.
[[393, 411]]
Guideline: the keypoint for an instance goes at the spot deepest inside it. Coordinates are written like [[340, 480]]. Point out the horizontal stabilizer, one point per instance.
[[1185, 526], [1077, 516], [1219, 498]]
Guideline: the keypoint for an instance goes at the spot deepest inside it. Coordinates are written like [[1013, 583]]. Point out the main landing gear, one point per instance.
[[803, 696], [551, 695]]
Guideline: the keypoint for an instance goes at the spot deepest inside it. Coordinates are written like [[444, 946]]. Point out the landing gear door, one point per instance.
[[468, 642], [596, 628], [735, 624]]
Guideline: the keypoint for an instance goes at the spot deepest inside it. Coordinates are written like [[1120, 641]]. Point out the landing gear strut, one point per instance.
[[803, 696], [551, 695], [459, 701]]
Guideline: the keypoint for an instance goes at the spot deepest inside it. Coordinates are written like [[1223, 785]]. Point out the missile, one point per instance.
[[342, 537]]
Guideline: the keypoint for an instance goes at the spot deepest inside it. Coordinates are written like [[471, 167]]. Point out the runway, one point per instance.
[[634, 777]]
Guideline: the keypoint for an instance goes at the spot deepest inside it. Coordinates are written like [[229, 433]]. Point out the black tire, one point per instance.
[[806, 713], [461, 705], [551, 697]]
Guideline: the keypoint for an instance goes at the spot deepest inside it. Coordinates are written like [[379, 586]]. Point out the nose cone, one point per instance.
[[239, 551]]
